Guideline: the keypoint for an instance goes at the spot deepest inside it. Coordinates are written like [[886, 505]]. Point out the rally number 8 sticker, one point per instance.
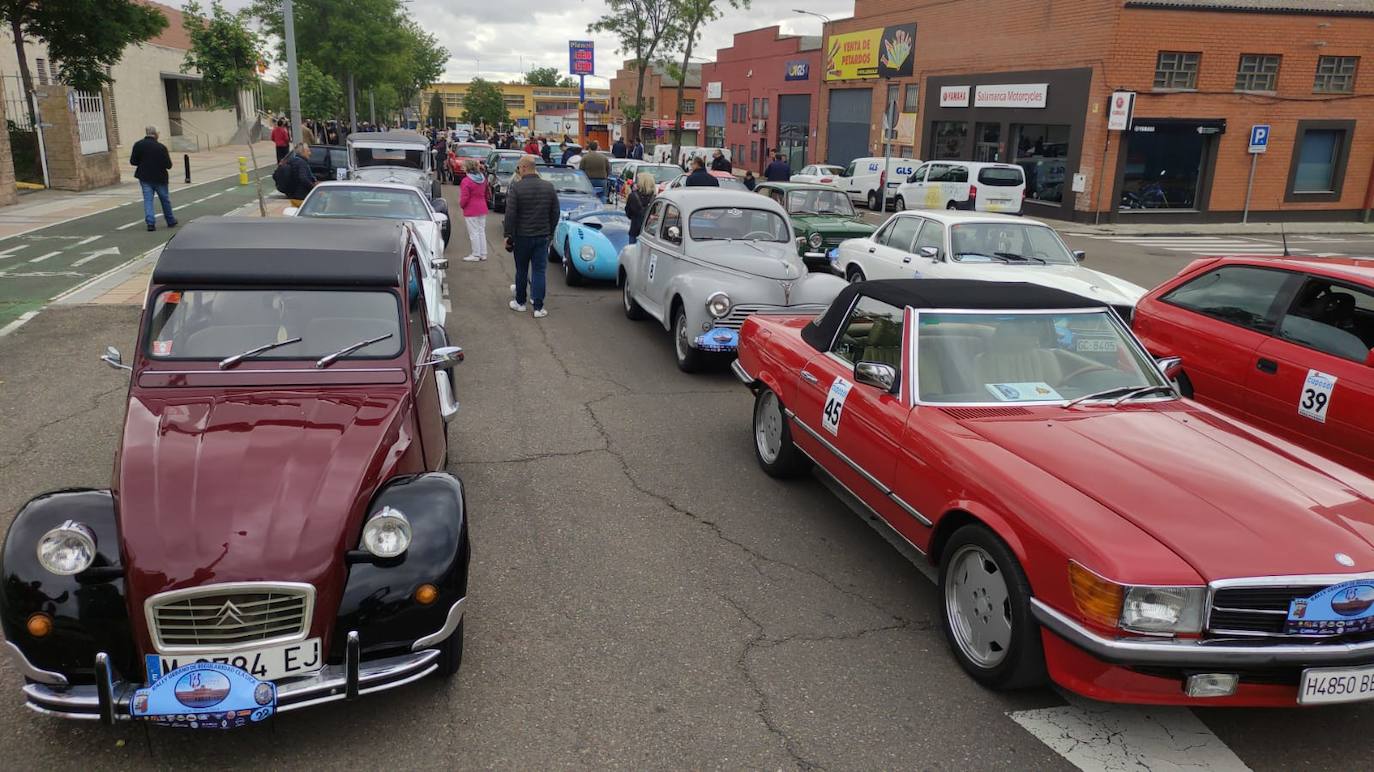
[[834, 405], [1315, 397]]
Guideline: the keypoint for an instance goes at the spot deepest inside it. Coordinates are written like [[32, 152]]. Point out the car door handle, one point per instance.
[[906, 259], [1267, 366], [871, 250], [808, 377]]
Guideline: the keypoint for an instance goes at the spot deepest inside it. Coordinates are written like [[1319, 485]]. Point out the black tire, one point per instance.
[[854, 274], [633, 311], [553, 254], [899, 204], [451, 653], [436, 189], [788, 460], [446, 231], [872, 201], [689, 360], [1022, 662], [570, 275]]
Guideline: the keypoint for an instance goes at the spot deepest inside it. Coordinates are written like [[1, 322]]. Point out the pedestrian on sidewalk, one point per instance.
[[778, 170], [719, 163], [638, 202], [281, 137], [531, 216], [472, 199], [151, 161], [618, 148], [300, 179]]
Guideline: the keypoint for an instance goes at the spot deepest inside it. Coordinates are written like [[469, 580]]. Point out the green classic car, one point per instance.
[[822, 215]]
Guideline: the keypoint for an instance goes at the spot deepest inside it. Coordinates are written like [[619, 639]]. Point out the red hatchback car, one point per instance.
[[1283, 343], [1084, 522]]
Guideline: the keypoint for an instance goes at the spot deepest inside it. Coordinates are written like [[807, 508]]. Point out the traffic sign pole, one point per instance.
[[1249, 186], [1259, 143]]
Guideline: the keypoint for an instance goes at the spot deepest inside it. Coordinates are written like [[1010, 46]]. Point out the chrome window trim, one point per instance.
[[874, 512], [307, 591]]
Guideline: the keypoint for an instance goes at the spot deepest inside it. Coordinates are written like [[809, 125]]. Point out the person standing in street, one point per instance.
[[699, 176], [300, 179], [618, 148], [597, 167], [532, 146], [569, 150], [531, 216], [719, 163], [637, 152], [637, 204], [544, 151], [472, 199], [750, 181], [281, 137], [151, 161], [778, 170], [307, 133]]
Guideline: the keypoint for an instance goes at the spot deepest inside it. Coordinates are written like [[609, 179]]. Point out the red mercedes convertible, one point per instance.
[[1084, 522]]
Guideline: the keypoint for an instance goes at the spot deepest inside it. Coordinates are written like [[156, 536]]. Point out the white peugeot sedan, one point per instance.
[[968, 245], [824, 174], [353, 200]]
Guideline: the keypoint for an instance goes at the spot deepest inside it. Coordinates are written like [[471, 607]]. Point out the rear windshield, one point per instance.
[[378, 156], [214, 324], [567, 180], [1001, 176]]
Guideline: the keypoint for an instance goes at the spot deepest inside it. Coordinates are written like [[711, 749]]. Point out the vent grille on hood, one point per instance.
[[971, 413]]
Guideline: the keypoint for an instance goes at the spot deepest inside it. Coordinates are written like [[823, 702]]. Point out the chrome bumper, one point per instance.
[[742, 374], [1194, 653]]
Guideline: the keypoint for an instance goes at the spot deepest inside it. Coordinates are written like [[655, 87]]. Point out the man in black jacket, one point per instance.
[[618, 149], [699, 176], [301, 179], [151, 162], [719, 163], [531, 216]]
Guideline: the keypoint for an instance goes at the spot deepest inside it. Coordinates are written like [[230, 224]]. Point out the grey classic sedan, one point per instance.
[[706, 259]]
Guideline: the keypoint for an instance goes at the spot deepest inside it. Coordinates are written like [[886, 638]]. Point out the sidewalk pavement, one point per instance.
[[49, 207], [1127, 228]]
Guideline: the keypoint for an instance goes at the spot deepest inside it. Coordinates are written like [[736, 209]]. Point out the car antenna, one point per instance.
[[1284, 235]]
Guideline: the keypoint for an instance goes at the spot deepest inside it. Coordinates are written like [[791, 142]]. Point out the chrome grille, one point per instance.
[[221, 617], [1254, 611], [735, 319]]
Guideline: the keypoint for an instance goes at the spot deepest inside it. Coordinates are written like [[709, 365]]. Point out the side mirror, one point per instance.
[[1080, 255], [112, 358], [877, 374], [444, 357], [291, 211], [439, 263], [929, 253], [674, 233], [440, 218], [1172, 367]]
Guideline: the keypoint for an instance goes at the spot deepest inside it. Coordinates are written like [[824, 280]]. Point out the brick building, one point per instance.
[[660, 104], [763, 93], [1033, 88]]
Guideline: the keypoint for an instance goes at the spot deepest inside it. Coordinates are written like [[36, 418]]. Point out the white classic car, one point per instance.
[[825, 174], [968, 245], [402, 157], [706, 259]]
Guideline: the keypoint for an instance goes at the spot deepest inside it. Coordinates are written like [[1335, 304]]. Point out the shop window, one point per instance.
[[1258, 72], [42, 72], [1163, 167], [1335, 74], [1042, 151], [1177, 69], [987, 142], [949, 139], [1317, 171], [913, 98], [651, 104]]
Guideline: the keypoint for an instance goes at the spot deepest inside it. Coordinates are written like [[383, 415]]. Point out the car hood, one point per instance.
[[1069, 278], [1226, 501], [267, 485], [833, 224], [767, 259], [568, 202]]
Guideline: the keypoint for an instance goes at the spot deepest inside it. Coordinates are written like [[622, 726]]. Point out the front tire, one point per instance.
[[451, 653], [571, 276], [854, 274], [689, 360], [987, 617], [872, 201], [773, 446], [553, 253], [633, 311], [899, 204]]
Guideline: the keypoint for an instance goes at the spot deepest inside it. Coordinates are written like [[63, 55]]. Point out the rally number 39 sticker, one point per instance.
[[1316, 395], [834, 405]]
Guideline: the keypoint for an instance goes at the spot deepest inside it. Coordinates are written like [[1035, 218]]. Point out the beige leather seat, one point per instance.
[[884, 344], [1017, 359]]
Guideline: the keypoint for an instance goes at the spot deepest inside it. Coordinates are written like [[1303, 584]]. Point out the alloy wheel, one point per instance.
[[768, 427], [978, 606]]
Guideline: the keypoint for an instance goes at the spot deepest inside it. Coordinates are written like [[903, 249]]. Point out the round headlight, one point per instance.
[[67, 549], [718, 305], [815, 240], [587, 252], [387, 533]]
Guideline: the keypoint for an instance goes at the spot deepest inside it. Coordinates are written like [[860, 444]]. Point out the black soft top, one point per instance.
[[941, 293], [285, 251]]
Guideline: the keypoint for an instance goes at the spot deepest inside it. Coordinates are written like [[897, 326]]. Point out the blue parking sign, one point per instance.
[[1259, 138]]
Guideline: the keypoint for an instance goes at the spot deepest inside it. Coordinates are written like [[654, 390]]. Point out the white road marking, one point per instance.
[[85, 241], [10, 252], [93, 255], [17, 323], [1108, 737], [41, 258], [126, 226]]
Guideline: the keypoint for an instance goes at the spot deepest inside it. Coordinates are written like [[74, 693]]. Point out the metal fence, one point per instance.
[[15, 109], [90, 121]]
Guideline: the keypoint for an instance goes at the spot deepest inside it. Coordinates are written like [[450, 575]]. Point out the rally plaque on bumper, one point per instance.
[[205, 695]]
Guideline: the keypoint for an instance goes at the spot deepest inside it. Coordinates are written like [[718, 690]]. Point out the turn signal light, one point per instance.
[[1098, 599], [426, 594], [39, 625]]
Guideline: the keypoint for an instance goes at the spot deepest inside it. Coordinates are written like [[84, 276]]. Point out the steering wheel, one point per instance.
[[759, 234], [1084, 370]]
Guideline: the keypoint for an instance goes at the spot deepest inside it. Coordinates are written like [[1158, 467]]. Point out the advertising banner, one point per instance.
[[798, 70], [881, 52], [581, 57], [954, 96], [713, 89], [1034, 95]]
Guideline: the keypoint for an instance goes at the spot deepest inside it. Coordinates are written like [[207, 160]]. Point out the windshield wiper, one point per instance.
[[1142, 391], [1105, 393], [1022, 258], [228, 362], [998, 256], [330, 359]]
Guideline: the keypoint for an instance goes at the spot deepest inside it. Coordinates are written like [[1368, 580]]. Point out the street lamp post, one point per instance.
[[293, 88], [821, 16]]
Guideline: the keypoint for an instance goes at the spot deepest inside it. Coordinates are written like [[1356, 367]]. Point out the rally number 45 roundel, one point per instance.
[[834, 405]]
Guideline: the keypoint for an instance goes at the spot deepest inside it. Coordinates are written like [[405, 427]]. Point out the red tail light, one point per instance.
[[882, 179], [827, 179]]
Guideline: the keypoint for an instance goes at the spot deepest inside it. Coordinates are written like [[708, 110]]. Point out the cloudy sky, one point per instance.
[[503, 39]]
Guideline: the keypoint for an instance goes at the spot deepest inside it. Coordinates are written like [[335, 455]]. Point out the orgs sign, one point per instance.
[[798, 70], [882, 52], [581, 57]]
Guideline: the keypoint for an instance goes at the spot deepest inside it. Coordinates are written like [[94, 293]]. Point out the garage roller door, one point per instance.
[[848, 127]]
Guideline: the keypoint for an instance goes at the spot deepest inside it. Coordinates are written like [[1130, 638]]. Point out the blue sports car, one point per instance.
[[588, 243], [574, 189]]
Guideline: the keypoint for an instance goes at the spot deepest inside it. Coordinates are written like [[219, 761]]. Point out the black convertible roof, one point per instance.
[[941, 293], [286, 250]]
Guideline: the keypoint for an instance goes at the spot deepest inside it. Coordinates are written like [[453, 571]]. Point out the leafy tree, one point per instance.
[[641, 28], [484, 104], [321, 95], [417, 65], [690, 16], [83, 36], [436, 110], [223, 50], [275, 99], [548, 76]]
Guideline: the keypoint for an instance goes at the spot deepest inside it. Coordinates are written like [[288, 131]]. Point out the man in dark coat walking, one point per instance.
[[151, 161], [618, 148], [778, 170], [699, 176]]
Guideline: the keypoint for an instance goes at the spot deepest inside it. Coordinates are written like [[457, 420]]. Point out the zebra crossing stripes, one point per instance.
[[1203, 245]]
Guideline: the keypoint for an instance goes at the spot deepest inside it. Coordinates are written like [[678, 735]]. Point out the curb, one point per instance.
[[99, 284]]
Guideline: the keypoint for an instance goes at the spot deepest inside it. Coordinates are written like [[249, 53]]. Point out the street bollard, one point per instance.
[[243, 170], [186, 161]]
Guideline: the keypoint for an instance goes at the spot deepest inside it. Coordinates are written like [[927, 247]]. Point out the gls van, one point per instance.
[[863, 177], [971, 185]]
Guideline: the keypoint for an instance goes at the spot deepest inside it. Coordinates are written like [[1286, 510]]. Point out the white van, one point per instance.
[[971, 185], [860, 179]]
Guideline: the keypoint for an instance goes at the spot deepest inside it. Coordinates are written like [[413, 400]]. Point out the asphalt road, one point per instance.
[[643, 596]]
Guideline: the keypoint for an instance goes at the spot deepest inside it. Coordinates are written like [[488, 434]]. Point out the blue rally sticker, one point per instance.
[[718, 339], [205, 695], [1341, 608]]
